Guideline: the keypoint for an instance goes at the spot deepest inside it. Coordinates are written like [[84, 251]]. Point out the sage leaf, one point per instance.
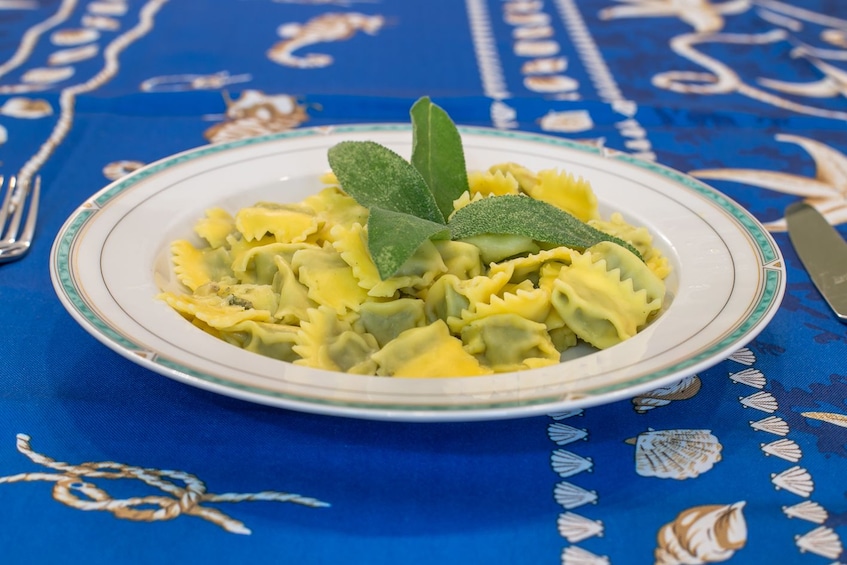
[[522, 215], [393, 237], [377, 177], [437, 153]]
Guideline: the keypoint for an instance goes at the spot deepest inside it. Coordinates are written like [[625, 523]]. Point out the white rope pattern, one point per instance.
[[70, 487]]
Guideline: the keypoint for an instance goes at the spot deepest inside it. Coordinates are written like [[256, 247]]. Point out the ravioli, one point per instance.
[[296, 282]]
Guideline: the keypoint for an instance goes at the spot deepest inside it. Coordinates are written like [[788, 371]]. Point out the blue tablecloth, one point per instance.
[[103, 461]]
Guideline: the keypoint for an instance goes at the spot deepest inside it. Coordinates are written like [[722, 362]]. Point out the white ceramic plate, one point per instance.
[[111, 257]]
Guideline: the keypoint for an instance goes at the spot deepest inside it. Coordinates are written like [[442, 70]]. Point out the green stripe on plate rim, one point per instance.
[[773, 278], [71, 288]]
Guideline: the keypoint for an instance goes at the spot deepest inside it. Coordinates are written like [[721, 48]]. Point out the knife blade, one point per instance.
[[823, 252]]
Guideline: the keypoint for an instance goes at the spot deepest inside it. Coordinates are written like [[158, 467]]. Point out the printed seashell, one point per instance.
[[676, 454], [256, 113], [532, 48], [107, 8], [645, 404], [73, 55], [563, 434], [73, 36], [533, 32], [837, 37], [119, 169], [571, 496], [47, 75], [743, 356], [784, 449], [573, 555], [567, 464], [829, 417], [102, 23], [576, 528], [30, 108], [772, 424], [4, 135], [518, 19], [567, 122], [702, 534], [523, 6], [242, 129], [796, 480], [821, 541], [763, 401], [567, 414], [551, 83], [680, 390], [749, 377], [544, 66], [807, 510], [255, 103]]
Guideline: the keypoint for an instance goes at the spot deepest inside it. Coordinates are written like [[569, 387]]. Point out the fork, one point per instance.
[[15, 240]]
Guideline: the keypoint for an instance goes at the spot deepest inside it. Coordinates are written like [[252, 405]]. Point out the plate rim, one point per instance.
[[765, 307]]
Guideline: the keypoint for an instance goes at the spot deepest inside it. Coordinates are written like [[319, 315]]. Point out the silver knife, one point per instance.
[[823, 252]]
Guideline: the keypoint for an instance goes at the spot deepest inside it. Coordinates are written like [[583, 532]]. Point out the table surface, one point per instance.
[[102, 460]]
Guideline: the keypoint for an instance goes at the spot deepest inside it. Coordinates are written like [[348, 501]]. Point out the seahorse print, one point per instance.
[[322, 29]]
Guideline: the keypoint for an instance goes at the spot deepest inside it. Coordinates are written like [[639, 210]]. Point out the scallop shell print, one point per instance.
[[821, 541], [749, 377], [567, 464], [796, 480], [773, 425], [574, 555], [576, 528], [784, 449], [764, 401], [564, 434], [702, 534], [743, 356], [807, 510], [571, 496], [675, 454]]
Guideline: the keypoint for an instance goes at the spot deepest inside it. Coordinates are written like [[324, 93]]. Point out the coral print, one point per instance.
[[827, 191], [703, 15]]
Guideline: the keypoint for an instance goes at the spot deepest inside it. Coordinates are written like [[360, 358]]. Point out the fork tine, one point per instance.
[[29, 227], [7, 198], [14, 199]]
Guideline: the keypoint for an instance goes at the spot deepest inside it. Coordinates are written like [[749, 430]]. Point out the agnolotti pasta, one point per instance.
[[296, 282]]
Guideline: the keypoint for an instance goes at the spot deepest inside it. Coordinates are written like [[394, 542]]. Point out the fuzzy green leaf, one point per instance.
[[437, 153], [393, 237], [377, 177], [522, 215]]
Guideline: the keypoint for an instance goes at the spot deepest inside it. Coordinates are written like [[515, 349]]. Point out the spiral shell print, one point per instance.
[[702, 534]]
